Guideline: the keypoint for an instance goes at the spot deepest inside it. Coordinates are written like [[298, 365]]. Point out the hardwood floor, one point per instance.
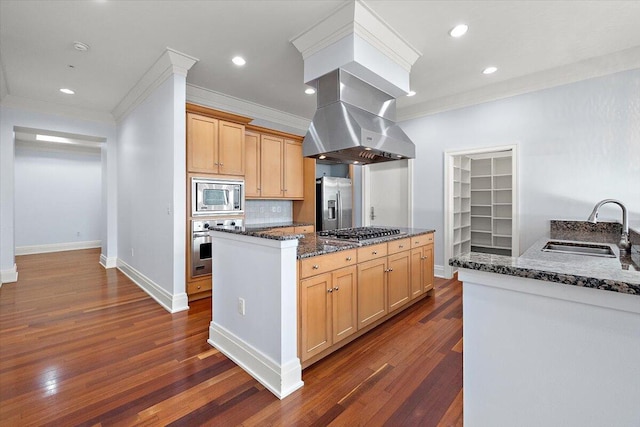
[[81, 345]]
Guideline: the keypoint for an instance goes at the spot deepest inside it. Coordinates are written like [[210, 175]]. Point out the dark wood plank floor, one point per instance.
[[81, 345]]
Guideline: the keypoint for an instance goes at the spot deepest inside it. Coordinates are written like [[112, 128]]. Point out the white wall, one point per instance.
[[578, 144], [152, 193], [57, 195], [11, 117]]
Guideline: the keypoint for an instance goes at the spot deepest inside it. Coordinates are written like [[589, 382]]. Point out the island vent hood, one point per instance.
[[354, 123]]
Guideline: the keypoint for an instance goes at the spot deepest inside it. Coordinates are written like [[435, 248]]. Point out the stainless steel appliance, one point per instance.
[[354, 123], [216, 196], [361, 233], [333, 203], [201, 243]]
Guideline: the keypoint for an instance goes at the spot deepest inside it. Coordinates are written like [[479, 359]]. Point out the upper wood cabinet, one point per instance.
[[274, 167], [292, 179], [252, 162], [272, 160], [215, 146]]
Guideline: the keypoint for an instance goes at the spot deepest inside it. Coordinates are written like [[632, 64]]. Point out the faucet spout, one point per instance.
[[624, 238]]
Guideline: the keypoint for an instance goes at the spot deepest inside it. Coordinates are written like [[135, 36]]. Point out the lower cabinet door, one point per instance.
[[417, 267], [344, 302], [427, 259], [398, 279], [372, 291], [315, 315]]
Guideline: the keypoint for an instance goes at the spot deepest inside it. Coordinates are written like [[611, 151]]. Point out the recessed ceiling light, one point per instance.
[[309, 91], [368, 149], [355, 162], [322, 157], [82, 47], [67, 91], [459, 30], [411, 93], [489, 70], [239, 61]]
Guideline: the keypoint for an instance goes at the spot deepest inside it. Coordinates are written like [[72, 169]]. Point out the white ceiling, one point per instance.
[[535, 44]]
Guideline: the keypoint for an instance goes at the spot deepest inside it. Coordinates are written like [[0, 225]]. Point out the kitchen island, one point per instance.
[[257, 319], [551, 338]]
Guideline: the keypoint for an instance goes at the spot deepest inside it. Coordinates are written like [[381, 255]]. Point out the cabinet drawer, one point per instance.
[[302, 229], [201, 286], [398, 246], [421, 240], [371, 252], [324, 263]]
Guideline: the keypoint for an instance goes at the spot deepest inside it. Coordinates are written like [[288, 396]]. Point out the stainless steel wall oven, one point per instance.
[[201, 243]]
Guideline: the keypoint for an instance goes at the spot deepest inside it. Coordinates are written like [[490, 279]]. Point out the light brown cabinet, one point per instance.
[[274, 167], [421, 264], [380, 279], [215, 146], [327, 304], [252, 164], [372, 291]]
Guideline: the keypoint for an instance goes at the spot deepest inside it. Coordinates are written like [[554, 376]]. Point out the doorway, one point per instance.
[[481, 203], [387, 198]]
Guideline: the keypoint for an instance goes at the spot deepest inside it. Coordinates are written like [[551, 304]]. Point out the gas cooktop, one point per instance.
[[360, 233]]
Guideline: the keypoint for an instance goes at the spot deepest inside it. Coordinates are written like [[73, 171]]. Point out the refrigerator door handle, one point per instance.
[[339, 200]]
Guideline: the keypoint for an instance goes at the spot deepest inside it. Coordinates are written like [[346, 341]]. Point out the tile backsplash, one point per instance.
[[268, 211]]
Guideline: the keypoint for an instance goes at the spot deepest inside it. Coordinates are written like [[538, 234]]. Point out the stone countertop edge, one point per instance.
[[577, 270], [312, 244]]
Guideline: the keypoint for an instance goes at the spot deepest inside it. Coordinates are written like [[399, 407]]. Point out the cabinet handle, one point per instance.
[[198, 286], [221, 164], [316, 266], [259, 188], [348, 258], [391, 269], [216, 163], [423, 257], [337, 288], [374, 253], [330, 290], [400, 246]]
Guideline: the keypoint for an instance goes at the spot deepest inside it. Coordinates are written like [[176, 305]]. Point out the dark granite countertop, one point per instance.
[[619, 274], [312, 244]]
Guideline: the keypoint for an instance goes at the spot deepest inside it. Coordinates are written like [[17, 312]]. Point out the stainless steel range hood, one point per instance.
[[354, 123]]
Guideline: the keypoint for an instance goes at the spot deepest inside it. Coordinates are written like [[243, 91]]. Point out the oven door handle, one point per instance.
[[200, 235]]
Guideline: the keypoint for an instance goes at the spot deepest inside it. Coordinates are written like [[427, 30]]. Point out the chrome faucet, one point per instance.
[[624, 244]]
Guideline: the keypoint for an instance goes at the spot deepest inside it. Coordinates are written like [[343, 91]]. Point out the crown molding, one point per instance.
[[170, 62], [375, 30], [616, 62], [260, 113], [11, 101], [357, 18]]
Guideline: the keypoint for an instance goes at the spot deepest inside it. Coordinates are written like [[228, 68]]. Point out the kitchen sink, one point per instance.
[[573, 248]]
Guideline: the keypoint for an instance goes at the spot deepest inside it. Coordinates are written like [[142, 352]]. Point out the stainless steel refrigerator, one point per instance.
[[334, 203]]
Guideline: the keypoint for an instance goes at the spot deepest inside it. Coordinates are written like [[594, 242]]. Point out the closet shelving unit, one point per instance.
[[461, 205], [491, 204]]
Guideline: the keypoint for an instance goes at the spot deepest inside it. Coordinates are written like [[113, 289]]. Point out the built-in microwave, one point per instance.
[[216, 196]]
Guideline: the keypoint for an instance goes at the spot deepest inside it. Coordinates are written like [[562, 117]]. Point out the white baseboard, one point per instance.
[[171, 303], [438, 271], [57, 247], [108, 262], [281, 380], [9, 275]]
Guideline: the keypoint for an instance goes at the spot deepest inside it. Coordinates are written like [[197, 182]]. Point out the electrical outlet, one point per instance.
[[241, 306], [273, 209], [78, 233]]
